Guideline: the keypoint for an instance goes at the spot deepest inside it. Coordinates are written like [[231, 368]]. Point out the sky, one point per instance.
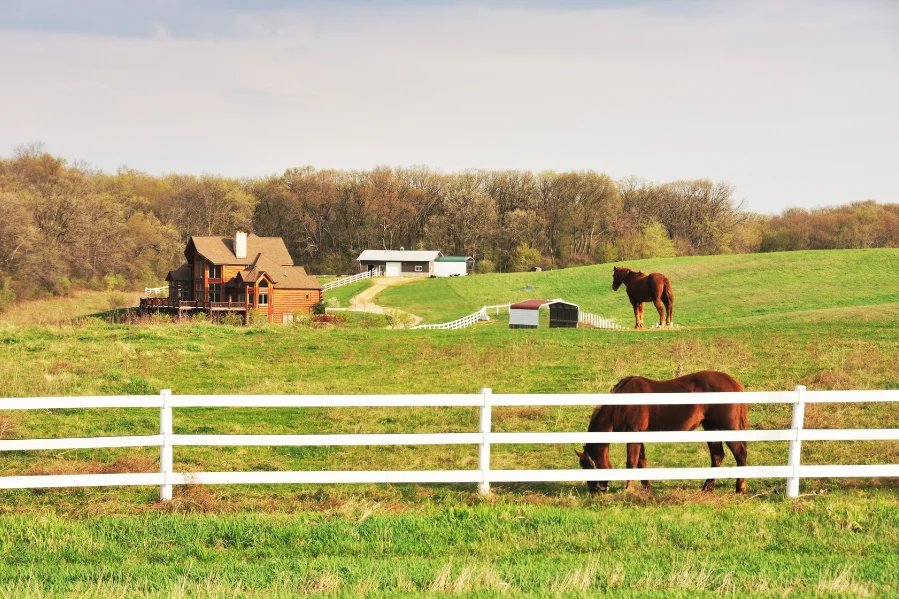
[[794, 103]]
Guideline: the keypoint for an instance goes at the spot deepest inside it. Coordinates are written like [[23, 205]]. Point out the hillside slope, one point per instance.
[[708, 290]]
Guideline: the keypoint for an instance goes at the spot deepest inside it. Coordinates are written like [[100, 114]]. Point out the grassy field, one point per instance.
[[840, 539], [708, 290], [344, 295]]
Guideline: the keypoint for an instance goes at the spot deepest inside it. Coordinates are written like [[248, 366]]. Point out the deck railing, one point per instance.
[[167, 440]]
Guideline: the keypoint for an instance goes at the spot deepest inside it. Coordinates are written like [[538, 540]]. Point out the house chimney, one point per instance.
[[240, 244]]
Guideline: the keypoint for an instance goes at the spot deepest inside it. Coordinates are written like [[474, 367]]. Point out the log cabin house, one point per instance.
[[235, 275]]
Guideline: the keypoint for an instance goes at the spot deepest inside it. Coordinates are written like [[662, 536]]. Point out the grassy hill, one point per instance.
[[773, 321], [708, 290]]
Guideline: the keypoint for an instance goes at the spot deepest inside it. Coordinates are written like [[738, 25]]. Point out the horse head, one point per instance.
[[619, 274], [587, 463]]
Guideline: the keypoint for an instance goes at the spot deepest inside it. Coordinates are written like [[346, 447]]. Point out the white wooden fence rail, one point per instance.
[[350, 279], [156, 291], [167, 440], [595, 320], [465, 321]]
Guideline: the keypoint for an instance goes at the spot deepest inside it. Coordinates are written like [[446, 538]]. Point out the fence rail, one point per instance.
[[595, 320], [465, 321], [350, 279], [156, 291], [484, 401]]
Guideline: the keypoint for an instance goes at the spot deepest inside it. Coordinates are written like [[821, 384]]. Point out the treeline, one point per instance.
[[66, 226]]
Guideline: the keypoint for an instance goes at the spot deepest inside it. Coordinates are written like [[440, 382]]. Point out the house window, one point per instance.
[[215, 292], [263, 293], [418, 268], [251, 296], [199, 293], [307, 296], [215, 271], [183, 292]]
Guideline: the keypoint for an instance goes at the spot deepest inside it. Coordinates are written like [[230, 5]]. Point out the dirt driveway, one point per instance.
[[365, 301]]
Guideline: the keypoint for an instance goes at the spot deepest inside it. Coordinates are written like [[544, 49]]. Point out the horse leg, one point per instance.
[[658, 304], [740, 451], [642, 463], [716, 449], [638, 313], [633, 459]]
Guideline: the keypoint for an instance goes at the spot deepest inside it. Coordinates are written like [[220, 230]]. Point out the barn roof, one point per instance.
[[399, 255], [454, 259], [537, 304]]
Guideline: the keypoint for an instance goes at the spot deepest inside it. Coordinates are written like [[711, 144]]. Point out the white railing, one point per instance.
[[350, 279], [507, 307], [595, 320], [167, 440], [465, 321], [156, 291]]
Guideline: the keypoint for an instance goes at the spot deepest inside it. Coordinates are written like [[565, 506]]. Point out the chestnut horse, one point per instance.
[[654, 287], [713, 417]]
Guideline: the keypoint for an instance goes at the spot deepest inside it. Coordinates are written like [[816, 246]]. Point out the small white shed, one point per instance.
[[526, 315], [452, 266]]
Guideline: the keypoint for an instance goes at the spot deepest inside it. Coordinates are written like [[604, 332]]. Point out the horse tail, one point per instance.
[[744, 417], [668, 300]]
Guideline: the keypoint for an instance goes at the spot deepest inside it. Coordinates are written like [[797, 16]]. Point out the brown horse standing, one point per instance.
[[654, 287], [714, 417]]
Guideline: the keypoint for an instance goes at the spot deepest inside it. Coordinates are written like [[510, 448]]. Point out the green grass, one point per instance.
[[345, 294], [708, 290], [538, 539]]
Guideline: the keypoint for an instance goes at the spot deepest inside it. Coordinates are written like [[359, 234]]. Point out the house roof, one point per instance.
[[182, 273], [537, 304], [454, 259], [399, 255], [284, 277], [220, 250]]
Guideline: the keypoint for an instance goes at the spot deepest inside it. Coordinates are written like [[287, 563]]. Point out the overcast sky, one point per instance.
[[795, 103]]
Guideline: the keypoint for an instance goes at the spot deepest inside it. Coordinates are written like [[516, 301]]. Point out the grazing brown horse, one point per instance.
[[654, 287], [714, 417]]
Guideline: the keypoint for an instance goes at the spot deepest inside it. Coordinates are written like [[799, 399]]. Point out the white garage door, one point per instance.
[[394, 269]]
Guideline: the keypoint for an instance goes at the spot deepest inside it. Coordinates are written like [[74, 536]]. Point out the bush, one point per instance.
[[7, 296], [233, 320], [318, 308], [485, 266], [199, 317], [116, 300]]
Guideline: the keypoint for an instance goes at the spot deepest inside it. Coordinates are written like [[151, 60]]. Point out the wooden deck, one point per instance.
[[148, 304]]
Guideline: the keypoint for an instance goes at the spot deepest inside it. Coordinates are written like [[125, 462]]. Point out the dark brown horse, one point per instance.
[[714, 417], [654, 287]]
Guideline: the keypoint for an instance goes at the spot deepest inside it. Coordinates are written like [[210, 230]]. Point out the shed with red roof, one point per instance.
[[526, 314]]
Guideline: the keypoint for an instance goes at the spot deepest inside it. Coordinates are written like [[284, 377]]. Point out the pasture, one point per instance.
[[839, 539]]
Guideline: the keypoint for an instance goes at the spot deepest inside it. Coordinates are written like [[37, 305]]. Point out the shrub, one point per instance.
[[199, 317], [116, 300], [318, 308], [233, 320], [7, 296], [485, 266]]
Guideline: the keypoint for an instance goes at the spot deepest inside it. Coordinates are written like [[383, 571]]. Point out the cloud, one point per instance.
[[793, 103]]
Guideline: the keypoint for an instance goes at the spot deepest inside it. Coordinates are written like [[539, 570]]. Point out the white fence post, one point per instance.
[[795, 458], [165, 449], [484, 449]]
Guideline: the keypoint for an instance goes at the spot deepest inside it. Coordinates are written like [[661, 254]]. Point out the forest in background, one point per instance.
[[69, 226]]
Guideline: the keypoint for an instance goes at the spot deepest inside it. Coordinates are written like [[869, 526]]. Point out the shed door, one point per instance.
[[394, 269]]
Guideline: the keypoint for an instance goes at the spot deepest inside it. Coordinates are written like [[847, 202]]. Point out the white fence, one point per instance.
[[351, 279], [156, 291], [167, 440], [465, 321], [595, 320]]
